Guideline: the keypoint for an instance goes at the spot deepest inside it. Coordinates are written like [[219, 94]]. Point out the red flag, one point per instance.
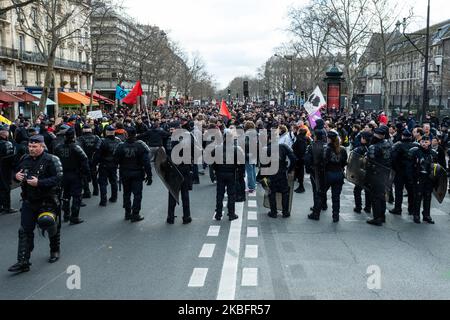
[[224, 110], [131, 98]]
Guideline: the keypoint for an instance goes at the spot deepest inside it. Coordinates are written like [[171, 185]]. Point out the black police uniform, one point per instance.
[[107, 168], [314, 164], [36, 200], [299, 147], [226, 178], [133, 158], [278, 183], [335, 164], [76, 168], [419, 171], [185, 169], [6, 167], [400, 164], [379, 154], [357, 191], [90, 144]]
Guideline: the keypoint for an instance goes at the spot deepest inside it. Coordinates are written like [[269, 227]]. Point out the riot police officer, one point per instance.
[[420, 170], [226, 175], [6, 167], [314, 164], [133, 158], [185, 168], [278, 183], [400, 164], [379, 156], [107, 166], [90, 144], [366, 138], [335, 163], [76, 168], [40, 174]]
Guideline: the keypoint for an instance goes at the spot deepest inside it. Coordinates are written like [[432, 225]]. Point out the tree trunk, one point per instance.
[[48, 83]]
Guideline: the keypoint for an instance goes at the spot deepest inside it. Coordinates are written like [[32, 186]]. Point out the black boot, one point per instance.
[[136, 217], [55, 243], [7, 206], [171, 220], [66, 217], [336, 218], [23, 254], [113, 199], [428, 220], [103, 201], [314, 217], [375, 222], [187, 220], [127, 215], [218, 216], [300, 189], [396, 212], [87, 195], [75, 218], [233, 217], [417, 219], [357, 210], [272, 215], [95, 193]]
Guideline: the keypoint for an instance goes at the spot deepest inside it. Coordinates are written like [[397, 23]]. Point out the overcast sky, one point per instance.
[[236, 37]]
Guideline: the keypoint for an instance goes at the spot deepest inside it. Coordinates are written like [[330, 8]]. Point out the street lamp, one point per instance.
[[426, 56]]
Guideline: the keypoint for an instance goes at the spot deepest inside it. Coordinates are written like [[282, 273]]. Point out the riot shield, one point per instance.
[[169, 174], [291, 182], [356, 169], [440, 182], [379, 179], [7, 164]]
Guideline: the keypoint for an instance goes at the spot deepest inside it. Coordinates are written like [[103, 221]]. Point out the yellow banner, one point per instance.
[[4, 120]]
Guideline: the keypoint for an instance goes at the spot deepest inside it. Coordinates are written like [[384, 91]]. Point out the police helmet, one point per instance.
[[47, 222]]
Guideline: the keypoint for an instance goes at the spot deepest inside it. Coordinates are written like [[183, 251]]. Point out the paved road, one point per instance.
[[254, 258]]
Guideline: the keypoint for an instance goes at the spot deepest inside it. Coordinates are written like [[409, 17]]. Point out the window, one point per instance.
[[33, 15], [21, 43]]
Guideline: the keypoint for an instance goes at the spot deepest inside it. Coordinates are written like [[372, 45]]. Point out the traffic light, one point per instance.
[[246, 91], [229, 91]]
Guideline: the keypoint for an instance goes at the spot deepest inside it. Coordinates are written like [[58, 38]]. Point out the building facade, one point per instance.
[[23, 66], [405, 72]]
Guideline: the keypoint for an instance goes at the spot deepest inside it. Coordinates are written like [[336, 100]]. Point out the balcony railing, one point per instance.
[[38, 58], [8, 53]]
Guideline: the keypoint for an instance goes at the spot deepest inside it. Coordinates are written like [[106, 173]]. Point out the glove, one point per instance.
[[149, 181]]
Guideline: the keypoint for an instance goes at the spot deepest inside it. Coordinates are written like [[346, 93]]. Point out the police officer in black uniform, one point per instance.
[[226, 176], [420, 168], [366, 138], [185, 168], [6, 167], [379, 154], [314, 164], [76, 168], [278, 183], [40, 174], [90, 143], [400, 164], [107, 166], [335, 163], [133, 158]]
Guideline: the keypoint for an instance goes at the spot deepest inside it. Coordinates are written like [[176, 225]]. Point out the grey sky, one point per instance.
[[235, 37]]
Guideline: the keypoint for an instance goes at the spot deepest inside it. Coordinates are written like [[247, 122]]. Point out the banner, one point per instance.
[[137, 91], [96, 114], [316, 100], [4, 120], [120, 93]]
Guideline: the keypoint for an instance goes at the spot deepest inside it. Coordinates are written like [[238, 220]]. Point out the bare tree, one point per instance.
[[100, 30], [348, 24], [15, 4], [49, 24], [311, 36], [194, 66]]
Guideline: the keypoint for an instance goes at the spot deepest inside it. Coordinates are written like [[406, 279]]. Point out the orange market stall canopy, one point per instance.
[[75, 100]]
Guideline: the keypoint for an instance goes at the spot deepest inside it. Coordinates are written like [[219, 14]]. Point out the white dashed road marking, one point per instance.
[[252, 203], [249, 277], [252, 232], [207, 251], [251, 252], [198, 277], [213, 231], [252, 216]]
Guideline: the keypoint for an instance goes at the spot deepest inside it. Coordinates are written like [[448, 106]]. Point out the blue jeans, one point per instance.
[[250, 169]]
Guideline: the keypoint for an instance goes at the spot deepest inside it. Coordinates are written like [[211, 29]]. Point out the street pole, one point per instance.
[[425, 80]]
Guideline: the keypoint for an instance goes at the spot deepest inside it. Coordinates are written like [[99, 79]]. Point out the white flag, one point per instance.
[[315, 101]]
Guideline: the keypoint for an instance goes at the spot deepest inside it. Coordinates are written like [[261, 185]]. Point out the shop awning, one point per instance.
[[49, 102], [99, 97], [8, 98], [24, 96], [74, 98]]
